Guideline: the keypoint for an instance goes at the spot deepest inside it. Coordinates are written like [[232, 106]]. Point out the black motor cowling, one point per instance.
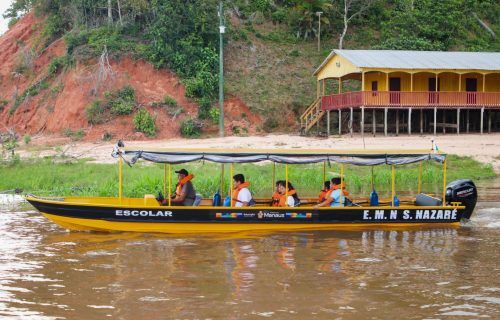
[[465, 192]]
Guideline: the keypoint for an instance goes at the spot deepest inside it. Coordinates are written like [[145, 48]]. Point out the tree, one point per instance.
[[352, 9], [304, 16]]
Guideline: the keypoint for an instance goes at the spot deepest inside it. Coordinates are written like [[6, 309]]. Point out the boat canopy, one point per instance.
[[301, 156]]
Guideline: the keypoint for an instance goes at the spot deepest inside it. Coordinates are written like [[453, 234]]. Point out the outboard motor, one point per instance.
[[463, 191]]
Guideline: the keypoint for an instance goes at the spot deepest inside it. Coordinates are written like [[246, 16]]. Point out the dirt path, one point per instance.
[[485, 148]]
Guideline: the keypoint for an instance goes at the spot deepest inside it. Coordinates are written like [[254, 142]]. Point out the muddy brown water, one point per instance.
[[434, 273]]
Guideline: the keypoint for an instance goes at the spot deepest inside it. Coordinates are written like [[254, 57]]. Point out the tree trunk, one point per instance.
[[119, 12], [110, 12], [341, 40]]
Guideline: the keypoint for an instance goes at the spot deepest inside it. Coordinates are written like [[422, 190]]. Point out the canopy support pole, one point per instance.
[[286, 184], [393, 178], [120, 191], [444, 183], [274, 176], [231, 169], [165, 179], [419, 189], [169, 185], [342, 178], [324, 173], [222, 179]]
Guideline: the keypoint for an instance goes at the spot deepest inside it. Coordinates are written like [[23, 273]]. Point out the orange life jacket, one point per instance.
[[279, 200], [180, 184], [322, 195], [237, 190], [336, 187]]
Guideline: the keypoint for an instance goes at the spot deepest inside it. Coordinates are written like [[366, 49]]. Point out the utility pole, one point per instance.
[[222, 29], [319, 13]]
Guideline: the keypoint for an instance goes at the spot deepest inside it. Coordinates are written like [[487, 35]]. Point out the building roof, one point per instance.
[[403, 59]]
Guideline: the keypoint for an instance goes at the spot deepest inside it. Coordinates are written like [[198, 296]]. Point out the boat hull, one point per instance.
[[116, 217]]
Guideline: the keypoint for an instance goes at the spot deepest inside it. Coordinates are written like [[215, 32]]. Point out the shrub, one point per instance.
[[57, 64], [107, 136], [214, 115], [190, 128], [204, 109], [122, 107], [74, 135], [169, 101], [121, 102], [270, 124], [144, 122], [27, 139], [96, 113]]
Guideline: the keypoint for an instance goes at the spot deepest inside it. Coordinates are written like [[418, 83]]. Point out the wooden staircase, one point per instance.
[[311, 116]]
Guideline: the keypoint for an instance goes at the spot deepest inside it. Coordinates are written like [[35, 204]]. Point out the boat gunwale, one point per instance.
[[89, 204]]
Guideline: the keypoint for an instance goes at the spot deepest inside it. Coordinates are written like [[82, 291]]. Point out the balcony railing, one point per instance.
[[394, 99]]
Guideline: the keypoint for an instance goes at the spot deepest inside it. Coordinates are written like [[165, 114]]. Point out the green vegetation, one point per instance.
[[27, 139], [31, 91], [144, 122], [270, 47], [57, 64], [62, 177], [74, 135], [119, 102], [190, 128]]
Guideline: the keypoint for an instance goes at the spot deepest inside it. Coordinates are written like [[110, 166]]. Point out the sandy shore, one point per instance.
[[485, 148]]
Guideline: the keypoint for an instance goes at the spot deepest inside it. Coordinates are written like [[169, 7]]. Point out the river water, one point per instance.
[[446, 273]]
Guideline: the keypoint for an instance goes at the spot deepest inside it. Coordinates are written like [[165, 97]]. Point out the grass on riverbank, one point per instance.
[[51, 177]]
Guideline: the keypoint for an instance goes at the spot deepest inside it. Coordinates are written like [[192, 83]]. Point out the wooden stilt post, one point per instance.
[[468, 120], [458, 120], [482, 117], [340, 122], [328, 123], [435, 119], [385, 122], [409, 121], [421, 121], [351, 121], [444, 121], [373, 122], [489, 121], [362, 121], [397, 122]]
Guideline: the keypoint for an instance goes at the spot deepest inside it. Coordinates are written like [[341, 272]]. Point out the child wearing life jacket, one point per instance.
[[280, 198], [335, 197], [324, 191], [184, 190], [241, 196]]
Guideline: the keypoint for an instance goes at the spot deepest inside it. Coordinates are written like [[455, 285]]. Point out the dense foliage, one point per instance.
[[183, 36]]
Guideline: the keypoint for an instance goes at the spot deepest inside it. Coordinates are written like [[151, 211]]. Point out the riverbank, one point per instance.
[[483, 148]]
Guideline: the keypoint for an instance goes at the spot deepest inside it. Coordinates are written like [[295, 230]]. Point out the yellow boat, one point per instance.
[[148, 215]]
